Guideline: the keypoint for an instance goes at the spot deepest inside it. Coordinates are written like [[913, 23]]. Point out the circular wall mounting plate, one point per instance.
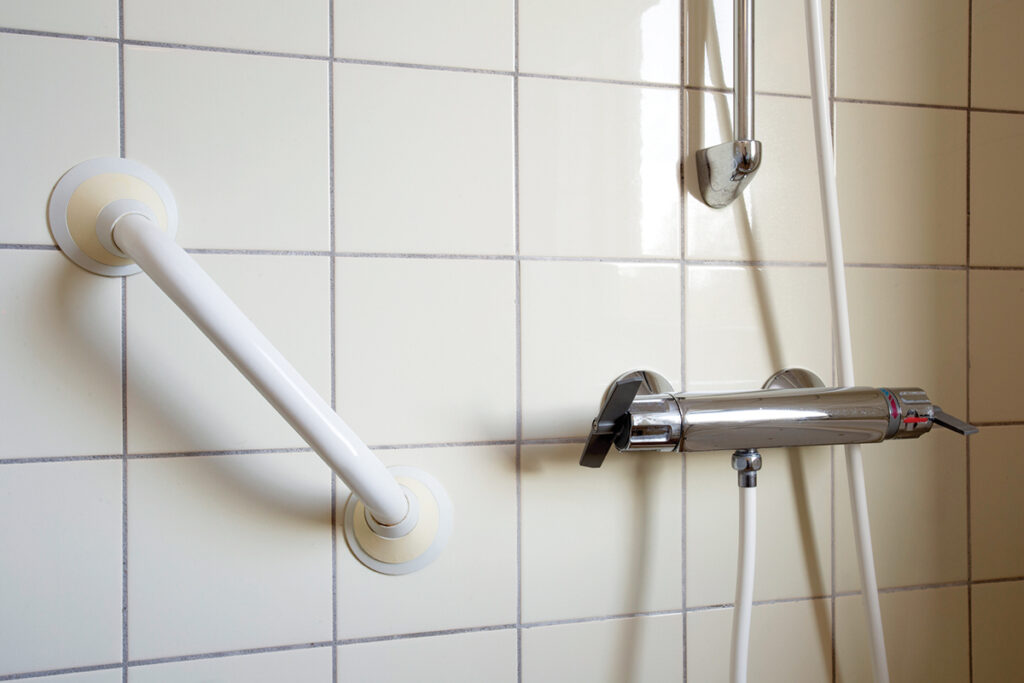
[[82, 194], [417, 548]]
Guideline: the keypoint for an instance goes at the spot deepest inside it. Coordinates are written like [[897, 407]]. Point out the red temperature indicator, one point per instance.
[[914, 420]]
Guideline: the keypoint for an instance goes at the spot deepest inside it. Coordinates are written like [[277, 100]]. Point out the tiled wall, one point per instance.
[[461, 220]]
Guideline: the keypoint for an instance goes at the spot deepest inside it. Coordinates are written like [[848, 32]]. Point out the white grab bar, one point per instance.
[[106, 213], [202, 300]]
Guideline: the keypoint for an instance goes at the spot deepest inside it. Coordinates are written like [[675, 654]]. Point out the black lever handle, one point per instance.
[[617, 400], [946, 420]]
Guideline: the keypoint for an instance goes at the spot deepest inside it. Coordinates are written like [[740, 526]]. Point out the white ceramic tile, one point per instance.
[[997, 549], [997, 620], [598, 169], [583, 325], [611, 651], [917, 502], [60, 357], [997, 307], [296, 666], [996, 54], [475, 34], [473, 581], [914, 51], [435, 177], [600, 541], [629, 41], [440, 334], [909, 330], [241, 140], [902, 195], [925, 636], [61, 537], [789, 643], [228, 552], [184, 395], [780, 51], [779, 218], [745, 324], [272, 26], [83, 17], [995, 209], [460, 658], [44, 131], [793, 519]]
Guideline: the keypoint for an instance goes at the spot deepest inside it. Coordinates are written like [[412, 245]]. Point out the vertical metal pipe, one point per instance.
[[743, 70]]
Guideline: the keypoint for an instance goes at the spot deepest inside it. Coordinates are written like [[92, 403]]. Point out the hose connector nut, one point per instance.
[[746, 462]]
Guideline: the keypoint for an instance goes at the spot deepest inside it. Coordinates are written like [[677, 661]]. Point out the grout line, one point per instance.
[[681, 177], [603, 81], [231, 653], [967, 351], [424, 634], [58, 458], [384, 255], [912, 105], [205, 454], [832, 72], [59, 672], [997, 424], [224, 50], [124, 480], [608, 617], [1007, 579], [333, 336], [56, 34], [28, 247], [270, 252], [518, 314]]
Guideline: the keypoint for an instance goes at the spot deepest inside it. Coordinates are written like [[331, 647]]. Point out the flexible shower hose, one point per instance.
[[841, 330]]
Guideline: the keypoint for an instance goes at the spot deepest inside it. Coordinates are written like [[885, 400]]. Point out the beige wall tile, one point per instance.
[[629, 41], [632, 309], [997, 307], [299, 666], [925, 636], [913, 51], [637, 649], [459, 658], [598, 169], [996, 620], [84, 102], [744, 324], [997, 53], [472, 583], [449, 32], [789, 643], [293, 27], [438, 333], [86, 17], [600, 541], [997, 548], [890, 214], [779, 217], [228, 552], [917, 502], [184, 395], [780, 47], [995, 209], [434, 178], [242, 141], [909, 330], [793, 526], [60, 358], [61, 535]]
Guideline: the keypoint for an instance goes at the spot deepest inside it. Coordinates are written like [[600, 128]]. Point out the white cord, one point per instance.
[[744, 585], [841, 331]]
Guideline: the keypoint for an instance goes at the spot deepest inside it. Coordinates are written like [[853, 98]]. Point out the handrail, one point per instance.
[[220, 319]]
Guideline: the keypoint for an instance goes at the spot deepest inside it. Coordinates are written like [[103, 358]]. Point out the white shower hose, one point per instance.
[[844, 366], [841, 331]]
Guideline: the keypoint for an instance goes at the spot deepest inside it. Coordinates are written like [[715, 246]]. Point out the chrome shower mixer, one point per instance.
[[639, 412]]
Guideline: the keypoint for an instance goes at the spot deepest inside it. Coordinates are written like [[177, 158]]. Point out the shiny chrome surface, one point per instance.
[[724, 170], [639, 413], [746, 462]]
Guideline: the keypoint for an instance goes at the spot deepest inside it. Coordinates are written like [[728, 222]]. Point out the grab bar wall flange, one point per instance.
[[125, 205]]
